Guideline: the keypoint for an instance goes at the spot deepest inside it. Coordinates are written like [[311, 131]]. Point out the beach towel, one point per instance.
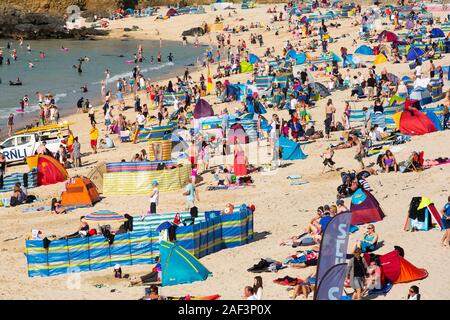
[[288, 281]]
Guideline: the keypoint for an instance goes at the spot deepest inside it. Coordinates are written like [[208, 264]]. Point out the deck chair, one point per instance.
[[414, 163]]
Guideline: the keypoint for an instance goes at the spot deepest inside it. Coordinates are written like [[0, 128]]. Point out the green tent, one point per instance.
[[246, 67]]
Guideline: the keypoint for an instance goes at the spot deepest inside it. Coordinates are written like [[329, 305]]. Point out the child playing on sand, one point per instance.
[[328, 159]]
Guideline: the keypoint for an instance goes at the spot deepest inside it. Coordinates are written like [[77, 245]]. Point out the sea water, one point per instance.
[[56, 74]]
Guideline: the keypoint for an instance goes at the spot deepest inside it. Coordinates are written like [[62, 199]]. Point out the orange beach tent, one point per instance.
[[49, 169], [80, 191]]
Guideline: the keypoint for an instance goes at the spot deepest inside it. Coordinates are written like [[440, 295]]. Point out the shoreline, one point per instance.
[[22, 120]]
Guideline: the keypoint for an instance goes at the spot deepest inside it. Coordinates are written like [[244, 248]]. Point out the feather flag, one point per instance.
[[209, 86]]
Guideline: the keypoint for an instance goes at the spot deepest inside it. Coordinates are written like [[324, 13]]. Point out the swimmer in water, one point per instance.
[[151, 60], [30, 65], [42, 55], [28, 47], [84, 88], [159, 57], [170, 57], [107, 73]]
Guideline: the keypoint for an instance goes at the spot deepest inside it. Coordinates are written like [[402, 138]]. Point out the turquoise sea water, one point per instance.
[[56, 74]]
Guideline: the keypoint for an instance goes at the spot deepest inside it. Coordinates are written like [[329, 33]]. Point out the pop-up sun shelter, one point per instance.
[[80, 192], [421, 212], [413, 122], [203, 109], [364, 50], [291, 149], [179, 266], [365, 208], [396, 269], [50, 171]]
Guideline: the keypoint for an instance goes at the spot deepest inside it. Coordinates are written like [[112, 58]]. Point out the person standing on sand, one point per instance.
[[76, 153], [329, 113], [191, 195], [359, 150], [93, 136], [446, 223], [10, 124], [2, 168]]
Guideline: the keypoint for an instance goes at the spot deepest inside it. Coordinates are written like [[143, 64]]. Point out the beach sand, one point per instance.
[[282, 210]]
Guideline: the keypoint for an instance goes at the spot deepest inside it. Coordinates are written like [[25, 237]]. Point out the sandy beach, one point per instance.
[[282, 210]]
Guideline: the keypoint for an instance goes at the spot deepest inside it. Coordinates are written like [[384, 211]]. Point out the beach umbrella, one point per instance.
[[414, 53], [104, 216], [380, 58], [393, 78]]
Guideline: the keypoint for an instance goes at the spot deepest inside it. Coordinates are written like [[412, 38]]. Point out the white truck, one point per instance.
[[25, 143]]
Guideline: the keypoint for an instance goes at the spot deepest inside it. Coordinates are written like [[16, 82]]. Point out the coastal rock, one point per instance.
[[15, 23]]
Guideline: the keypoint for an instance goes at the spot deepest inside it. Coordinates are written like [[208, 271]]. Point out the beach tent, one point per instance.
[[291, 149], [104, 216], [171, 12], [252, 58], [80, 191], [351, 60], [414, 53], [203, 109], [422, 95], [50, 171], [179, 266], [380, 58], [421, 212], [435, 119], [365, 208], [393, 78], [319, 88], [245, 67], [364, 50], [237, 134], [291, 54], [397, 269], [411, 104], [437, 33], [413, 122], [409, 24], [235, 91], [387, 36], [300, 58], [396, 100], [96, 175], [254, 106]]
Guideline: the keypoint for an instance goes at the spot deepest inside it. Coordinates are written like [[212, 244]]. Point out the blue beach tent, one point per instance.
[[364, 50], [414, 53], [437, 33], [252, 58], [291, 149], [179, 266], [434, 118]]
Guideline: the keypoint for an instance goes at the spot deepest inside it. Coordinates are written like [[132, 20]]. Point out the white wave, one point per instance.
[[30, 108], [130, 73]]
